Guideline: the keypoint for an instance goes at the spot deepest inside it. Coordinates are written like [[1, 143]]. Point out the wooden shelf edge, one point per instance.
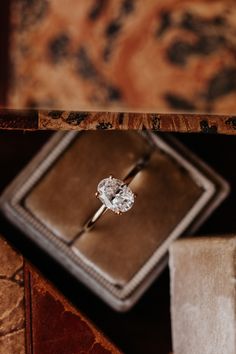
[[71, 120]]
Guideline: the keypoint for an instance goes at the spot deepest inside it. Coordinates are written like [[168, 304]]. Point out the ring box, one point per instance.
[[53, 197]]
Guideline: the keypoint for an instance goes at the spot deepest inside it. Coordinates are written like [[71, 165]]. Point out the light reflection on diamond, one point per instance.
[[116, 195]]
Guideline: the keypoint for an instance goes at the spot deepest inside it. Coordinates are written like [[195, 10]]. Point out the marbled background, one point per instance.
[[130, 55]]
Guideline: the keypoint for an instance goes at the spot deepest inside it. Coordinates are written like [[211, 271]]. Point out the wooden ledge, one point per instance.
[[71, 120]]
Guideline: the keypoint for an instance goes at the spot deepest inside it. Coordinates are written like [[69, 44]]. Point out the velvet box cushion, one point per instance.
[[117, 247]]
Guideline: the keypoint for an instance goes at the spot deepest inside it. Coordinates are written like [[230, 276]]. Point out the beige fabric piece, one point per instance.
[[203, 291]]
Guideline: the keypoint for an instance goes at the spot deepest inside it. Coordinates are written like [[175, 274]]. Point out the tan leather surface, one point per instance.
[[64, 199], [55, 326], [12, 312], [119, 245], [36, 319]]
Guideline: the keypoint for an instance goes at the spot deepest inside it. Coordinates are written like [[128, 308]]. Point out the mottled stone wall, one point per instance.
[[12, 310], [162, 56]]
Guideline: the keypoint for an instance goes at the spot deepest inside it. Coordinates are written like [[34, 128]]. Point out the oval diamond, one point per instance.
[[115, 195]]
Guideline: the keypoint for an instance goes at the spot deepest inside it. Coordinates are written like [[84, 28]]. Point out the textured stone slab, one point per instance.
[[203, 290], [35, 318], [12, 311]]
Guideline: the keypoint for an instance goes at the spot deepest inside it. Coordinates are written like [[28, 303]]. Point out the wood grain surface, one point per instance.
[[72, 120]]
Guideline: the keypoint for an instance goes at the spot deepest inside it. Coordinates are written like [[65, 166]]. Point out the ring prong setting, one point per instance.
[[115, 195]]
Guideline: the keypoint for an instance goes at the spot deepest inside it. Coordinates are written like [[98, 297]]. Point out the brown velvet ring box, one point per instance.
[[118, 259]]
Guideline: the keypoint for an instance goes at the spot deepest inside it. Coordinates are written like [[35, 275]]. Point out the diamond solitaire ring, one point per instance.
[[115, 195]]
